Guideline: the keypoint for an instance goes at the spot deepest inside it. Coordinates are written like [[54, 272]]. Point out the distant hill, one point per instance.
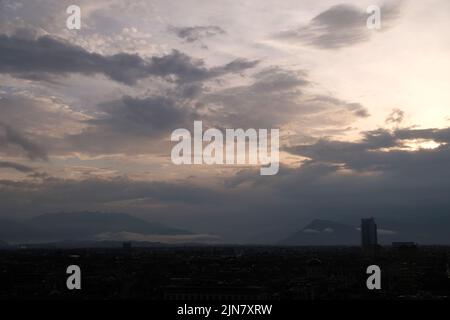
[[327, 233], [79, 226], [98, 222], [324, 232], [3, 244]]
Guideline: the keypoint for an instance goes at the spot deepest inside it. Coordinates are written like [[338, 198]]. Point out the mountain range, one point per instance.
[[324, 232], [82, 226], [111, 229]]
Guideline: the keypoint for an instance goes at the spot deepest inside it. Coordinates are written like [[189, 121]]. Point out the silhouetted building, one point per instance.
[[369, 238]]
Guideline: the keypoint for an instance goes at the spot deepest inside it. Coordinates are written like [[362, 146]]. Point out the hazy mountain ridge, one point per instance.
[[327, 232], [78, 226], [87, 228], [324, 232]]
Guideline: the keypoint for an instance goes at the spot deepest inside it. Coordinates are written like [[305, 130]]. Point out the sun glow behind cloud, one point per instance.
[[418, 144], [412, 145]]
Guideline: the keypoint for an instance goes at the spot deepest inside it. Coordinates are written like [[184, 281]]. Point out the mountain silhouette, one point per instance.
[[79, 226], [324, 232]]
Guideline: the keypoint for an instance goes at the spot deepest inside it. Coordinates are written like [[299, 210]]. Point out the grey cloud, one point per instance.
[[396, 116], [188, 69], [438, 135], [267, 102], [235, 66], [149, 116], [131, 125], [9, 136], [339, 26], [50, 56], [46, 55], [367, 154], [16, 166], [138, 125], [196, 33], [276, 97], [323, 147], [49, 194], [31, 125], [356, 108], [37, 115]]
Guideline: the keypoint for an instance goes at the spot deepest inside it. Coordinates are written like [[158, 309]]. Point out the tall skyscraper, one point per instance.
[[369, 239]]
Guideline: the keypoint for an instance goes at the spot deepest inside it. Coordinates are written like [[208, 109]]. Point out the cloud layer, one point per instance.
[[340, 26], [45, 55]]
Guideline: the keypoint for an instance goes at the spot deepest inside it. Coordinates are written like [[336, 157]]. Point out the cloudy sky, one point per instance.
[[364, 115]]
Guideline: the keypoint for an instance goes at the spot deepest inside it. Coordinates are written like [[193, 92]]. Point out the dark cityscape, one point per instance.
[[230, 273]]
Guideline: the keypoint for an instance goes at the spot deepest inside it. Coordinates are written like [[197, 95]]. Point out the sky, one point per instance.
[[364, 117]]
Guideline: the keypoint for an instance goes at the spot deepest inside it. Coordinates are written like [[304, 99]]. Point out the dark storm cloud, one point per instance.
[[387, 177], [438, 135], [11, 137], [147, 116], [339, 26], [16, 166], [401, 189], [192, 34], [368, 154], [188, 69], [131, 125], [46, 55], [67, 194]]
